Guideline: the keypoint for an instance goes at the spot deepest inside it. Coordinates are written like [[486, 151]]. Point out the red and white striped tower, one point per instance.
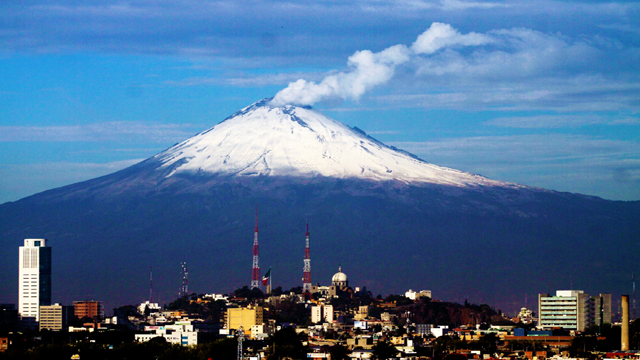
[[255, 275], [306, 280]]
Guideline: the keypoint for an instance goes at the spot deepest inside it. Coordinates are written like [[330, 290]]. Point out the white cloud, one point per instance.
[[576, 163], [515, 53], [515, 68], [368, 70], [98, 132], [248, 80], [578, 93], [464, 5], [559, 121], [440, 35]]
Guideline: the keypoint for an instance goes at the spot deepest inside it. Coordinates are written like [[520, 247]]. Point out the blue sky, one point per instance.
[[542, 93]]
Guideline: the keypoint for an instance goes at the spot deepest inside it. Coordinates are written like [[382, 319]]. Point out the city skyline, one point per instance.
[[539, 94], [36, 263]]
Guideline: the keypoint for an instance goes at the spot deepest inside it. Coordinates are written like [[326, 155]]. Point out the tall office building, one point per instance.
[[602, 309], [35, 280], [568, 309]]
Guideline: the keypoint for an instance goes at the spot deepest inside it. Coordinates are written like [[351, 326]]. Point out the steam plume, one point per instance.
[[369, 69]]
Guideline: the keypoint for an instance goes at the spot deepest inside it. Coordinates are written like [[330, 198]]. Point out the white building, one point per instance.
[[340, 279], [439, 330], [216, 297], [148, 305], [417, 295], [181, 333], [34, 288], [322, 312], [568, 309], [261, 332]]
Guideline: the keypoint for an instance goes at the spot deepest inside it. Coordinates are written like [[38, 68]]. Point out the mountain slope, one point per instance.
[[298, 141], [393, 221]]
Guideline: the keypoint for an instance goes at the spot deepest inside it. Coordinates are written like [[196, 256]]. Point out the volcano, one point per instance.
[[393, 221]]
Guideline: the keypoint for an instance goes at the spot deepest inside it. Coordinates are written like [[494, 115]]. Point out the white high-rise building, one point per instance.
[[568, 309], [34, 288], [322, 312]]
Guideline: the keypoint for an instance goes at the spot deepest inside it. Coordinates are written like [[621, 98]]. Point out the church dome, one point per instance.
[[340, 278]]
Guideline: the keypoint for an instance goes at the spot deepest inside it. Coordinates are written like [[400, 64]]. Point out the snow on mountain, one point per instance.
[[298, 141]]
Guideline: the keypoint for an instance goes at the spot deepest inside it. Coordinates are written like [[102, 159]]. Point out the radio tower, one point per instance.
[[255, 275], [306, 280], [150, 284], [184, 290]]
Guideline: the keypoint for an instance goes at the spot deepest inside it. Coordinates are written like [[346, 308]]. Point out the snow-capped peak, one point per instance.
[[267, 140]]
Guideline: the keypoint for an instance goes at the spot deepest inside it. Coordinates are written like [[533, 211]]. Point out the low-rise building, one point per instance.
[[89, 308], [180, 333], [235, 318], [148, 305], [417, 295], [55, 317]]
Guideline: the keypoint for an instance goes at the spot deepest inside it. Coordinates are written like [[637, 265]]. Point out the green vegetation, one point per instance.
[[210, 311], [286, 343], [384, 350]]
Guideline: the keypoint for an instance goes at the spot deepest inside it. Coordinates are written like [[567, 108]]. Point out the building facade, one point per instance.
[[568, 309], [244, 317], [55, 317], [322, 312], [602, 309], [34, 288], [180, 333], [417, 295], [89, 309]]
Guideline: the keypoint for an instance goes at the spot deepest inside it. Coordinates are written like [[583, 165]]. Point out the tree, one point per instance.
[[126, 311], [489, 343], [249, 294], [277, 291], [158, 340], [223, 349], [295, 290], [455, 356], [339, 352], [384, 350], [287, 343], [400, 300]]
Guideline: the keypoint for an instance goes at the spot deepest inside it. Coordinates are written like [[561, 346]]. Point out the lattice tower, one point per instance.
[[306, 280]]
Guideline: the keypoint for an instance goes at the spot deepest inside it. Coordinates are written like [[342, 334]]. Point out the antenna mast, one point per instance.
[[306, 280], [255, 275], [240, 339], [150, 284], [184, 290]]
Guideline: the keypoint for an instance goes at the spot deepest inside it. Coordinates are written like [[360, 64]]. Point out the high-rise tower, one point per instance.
[[306, 280], [150, 284], [35, 280], [255, 275], [184, 289]]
